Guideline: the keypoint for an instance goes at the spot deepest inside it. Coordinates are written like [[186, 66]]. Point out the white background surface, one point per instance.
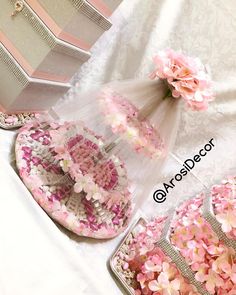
[[36, 257]]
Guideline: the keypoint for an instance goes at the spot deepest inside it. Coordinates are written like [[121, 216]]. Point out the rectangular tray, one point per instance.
[[167, 248]]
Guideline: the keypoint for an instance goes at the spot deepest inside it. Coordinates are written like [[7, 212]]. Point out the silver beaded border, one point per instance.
[[36, 24], [165, 244], [12, 65], [92, 13]]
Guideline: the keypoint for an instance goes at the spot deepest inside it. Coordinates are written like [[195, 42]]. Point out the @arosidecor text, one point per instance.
[[160, 195]]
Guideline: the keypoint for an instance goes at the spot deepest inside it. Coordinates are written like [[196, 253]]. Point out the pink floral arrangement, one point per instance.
[[224, 205], [186, 77], [81, 155], [38, 161], [214, 263], [155, 273], [122, 116]]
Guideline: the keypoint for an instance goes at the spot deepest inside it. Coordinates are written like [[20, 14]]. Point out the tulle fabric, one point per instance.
[[147, 95]]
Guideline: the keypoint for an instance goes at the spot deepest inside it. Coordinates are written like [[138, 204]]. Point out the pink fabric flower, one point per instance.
[[214, 263], [228, 220], [224, 205], [163, 284], [213, 280], [186, 78], [155, 272], [11, 119]]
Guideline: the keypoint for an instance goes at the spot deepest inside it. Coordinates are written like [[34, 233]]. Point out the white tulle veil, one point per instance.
[[147, 96]]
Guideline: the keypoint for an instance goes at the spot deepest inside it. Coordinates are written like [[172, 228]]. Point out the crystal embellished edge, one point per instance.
[[171, 251], [21, 75], [92, 13], [12, 66]]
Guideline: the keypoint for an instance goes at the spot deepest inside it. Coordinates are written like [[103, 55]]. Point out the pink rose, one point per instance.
[[186, 78]]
